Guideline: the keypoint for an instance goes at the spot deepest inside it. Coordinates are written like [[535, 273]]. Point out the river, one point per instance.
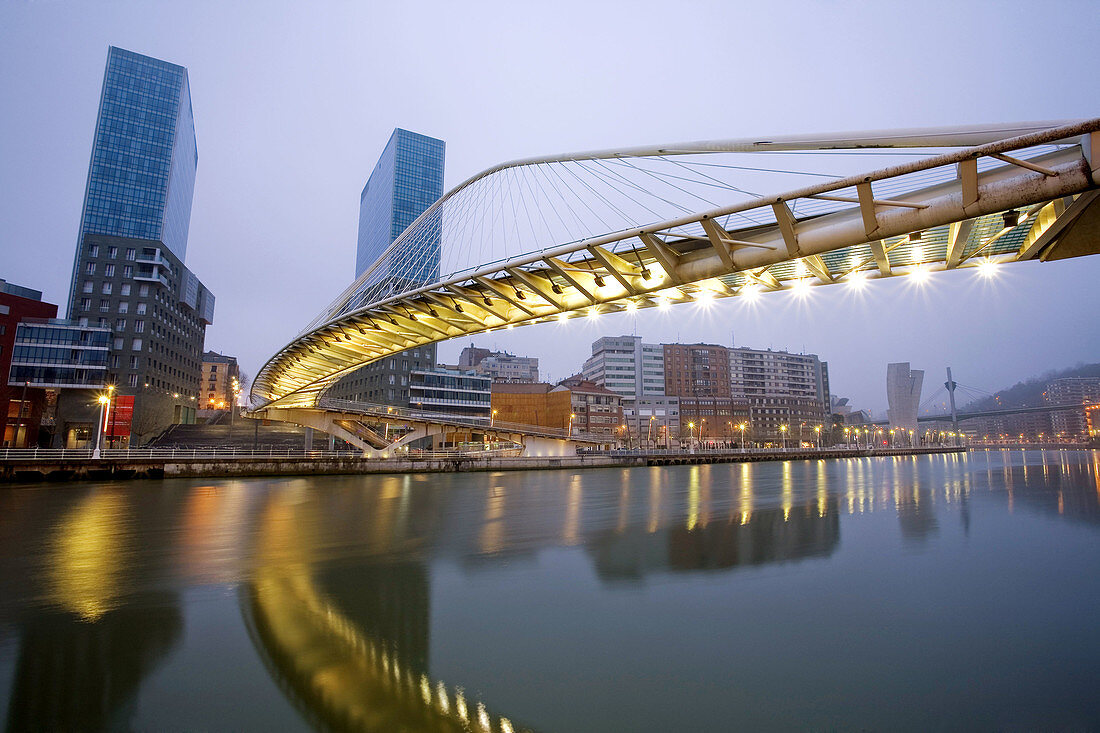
[[943, 592]]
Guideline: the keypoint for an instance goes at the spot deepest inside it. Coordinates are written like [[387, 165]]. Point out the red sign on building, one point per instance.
[[122, 414]]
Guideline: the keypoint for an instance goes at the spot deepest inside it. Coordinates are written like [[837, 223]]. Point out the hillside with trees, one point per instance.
[[1029, 393]]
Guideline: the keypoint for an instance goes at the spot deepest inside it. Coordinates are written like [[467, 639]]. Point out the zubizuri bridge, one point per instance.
[[548, 239]]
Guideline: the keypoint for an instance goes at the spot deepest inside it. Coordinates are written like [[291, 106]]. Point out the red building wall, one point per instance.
[[13, 309]]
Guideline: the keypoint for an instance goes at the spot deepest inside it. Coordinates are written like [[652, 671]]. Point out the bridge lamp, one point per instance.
[[631, 306], [801, 288], [857, 280], [705, 297], [593, 313], [663, 303], [750, 292], [919, 274], [987, 269], [600, 282], [563, 317]]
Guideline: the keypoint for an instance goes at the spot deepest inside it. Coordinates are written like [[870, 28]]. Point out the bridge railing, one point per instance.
[[212, 453]]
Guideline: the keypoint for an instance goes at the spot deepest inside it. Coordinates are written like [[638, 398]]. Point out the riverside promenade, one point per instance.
[[31, 466]]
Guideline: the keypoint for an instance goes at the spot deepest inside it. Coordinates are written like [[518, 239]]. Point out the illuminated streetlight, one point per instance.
[[741, 427], [492, 418], [783, 432], [817, 429]]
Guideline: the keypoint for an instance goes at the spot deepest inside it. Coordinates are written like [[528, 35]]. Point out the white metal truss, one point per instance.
[[1008, 194]]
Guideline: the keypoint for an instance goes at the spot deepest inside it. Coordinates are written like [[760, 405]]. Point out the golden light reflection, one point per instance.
[[571, 535], [693, 497], [654, 499], [822, 490], [788, 491], [491, 538], [88, 554], [746, 493]]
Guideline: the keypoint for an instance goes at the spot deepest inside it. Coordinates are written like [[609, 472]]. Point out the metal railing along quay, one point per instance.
[[214, 453]]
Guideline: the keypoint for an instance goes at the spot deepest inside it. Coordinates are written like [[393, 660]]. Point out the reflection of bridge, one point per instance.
[[549, 239]]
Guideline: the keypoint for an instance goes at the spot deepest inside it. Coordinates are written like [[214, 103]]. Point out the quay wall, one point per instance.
[[106, 469]]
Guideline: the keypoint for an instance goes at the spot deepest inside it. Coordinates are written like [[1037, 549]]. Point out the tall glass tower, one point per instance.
[[128, 272], [406, 180]]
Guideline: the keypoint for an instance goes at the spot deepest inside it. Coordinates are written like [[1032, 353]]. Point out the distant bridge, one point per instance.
[[553, 238]]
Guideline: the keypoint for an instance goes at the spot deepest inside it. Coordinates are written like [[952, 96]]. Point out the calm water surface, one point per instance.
[[938, 592]]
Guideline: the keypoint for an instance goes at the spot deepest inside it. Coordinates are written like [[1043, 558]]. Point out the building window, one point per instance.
[[141, 309], [106, 288], [104, 304], [126, 288], [112, 252], [123, 307], [90, 268], [120, 324], [85, 304], [93, 250], [131, 253], [139, 326], [133, 380], [127, 271], [117, 345], [143, 290], [137, 345], [89, 286], [109, 271], [83, 321], [133, 362]]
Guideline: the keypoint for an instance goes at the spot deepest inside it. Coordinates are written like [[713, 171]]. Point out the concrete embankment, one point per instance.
[[19, 471]]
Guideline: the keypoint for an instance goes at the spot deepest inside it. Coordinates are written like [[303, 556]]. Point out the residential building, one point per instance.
[[505, 367], [652, 421], [593, 409], [1071, 424], [782, 390], [471, 356], [129, 273], [696, 370], [716, 419], [765, 373], [626, 366], [903, 387], [450, 391], [220, 381], [406, 181]]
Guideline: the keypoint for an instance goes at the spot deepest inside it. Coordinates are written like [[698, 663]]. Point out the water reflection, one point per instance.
[[335, 576], [82, 659]]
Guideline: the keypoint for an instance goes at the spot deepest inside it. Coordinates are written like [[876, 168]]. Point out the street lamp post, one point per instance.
[[104, 400], [492, 418], [800, 426], [817, 429], [572, 416], [741, 427], [783, 432], [649, 439], [691, 437]]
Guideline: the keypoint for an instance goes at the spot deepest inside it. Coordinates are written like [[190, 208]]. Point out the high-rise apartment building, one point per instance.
[[1071, 391], [407, 179], [626, 366], [767, 373], [128, 272]]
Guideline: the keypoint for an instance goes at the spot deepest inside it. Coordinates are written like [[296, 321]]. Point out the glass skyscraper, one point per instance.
[[407, 179], [129, 272]]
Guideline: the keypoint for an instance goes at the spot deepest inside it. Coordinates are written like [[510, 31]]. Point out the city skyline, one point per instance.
[[286, 147]]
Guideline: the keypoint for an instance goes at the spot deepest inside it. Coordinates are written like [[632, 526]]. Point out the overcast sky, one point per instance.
[[293, 104]]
